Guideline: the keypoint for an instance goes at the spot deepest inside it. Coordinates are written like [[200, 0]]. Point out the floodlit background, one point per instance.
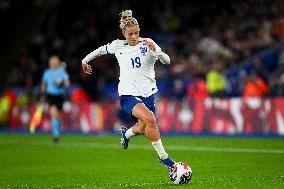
[[228, 50]]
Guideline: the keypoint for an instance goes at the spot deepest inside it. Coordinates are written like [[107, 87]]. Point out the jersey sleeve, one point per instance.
[[44, 77], [109, 48], [158, 48], [112, 47], [65, 75], [159, 54]]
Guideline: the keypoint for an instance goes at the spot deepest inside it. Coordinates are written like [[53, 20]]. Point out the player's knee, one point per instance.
[[54, 112]]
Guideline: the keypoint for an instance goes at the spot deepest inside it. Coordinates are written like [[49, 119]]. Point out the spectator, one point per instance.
[[197, 89], [280, 61], [276, 80], [260, 69], [79, 96], [6, 104], [255, 87], [279, 29], [216, 80], [279, 87]]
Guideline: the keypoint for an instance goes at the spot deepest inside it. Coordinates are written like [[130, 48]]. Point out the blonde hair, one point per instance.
[[126, 19]]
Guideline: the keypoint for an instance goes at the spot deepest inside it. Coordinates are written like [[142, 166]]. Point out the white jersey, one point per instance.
[[137, 74]]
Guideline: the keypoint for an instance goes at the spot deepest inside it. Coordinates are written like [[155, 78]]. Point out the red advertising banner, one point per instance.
[[222, 116], [212, 115]]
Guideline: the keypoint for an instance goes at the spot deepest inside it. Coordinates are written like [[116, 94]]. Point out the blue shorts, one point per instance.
[[127, 102]]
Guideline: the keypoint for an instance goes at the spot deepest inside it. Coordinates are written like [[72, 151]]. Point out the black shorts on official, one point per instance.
[[55, 100]]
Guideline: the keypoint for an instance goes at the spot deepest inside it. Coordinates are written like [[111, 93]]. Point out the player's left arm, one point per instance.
[[66, 79], [110, 48], [67, 83], [157, 52]]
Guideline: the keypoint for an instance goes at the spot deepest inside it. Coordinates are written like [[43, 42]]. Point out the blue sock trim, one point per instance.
[[55, 123], [167, 162]]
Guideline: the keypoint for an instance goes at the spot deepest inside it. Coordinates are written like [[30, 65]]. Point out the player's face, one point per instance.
[[131, 34], [54, 62]]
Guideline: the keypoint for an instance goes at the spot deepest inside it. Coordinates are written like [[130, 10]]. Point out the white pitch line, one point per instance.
[[144, 147]]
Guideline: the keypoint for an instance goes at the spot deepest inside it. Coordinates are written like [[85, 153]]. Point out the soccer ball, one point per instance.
[[180, 173]]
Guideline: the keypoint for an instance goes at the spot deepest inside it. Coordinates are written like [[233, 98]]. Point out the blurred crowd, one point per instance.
[[205, 39]]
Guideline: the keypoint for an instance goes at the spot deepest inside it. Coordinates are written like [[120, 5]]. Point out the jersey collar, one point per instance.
[[140, 40]]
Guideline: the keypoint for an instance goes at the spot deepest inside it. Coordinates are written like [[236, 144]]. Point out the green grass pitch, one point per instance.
[[80, 161]]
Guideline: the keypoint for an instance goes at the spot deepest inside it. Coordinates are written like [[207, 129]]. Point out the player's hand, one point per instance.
[[150, 45], [87, 68]]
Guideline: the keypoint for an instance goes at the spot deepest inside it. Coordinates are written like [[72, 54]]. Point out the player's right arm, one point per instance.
[[43, 83], [42, 87], [106, 49]]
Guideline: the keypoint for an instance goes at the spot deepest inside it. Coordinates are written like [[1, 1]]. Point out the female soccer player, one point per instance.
[[136, 57], [54, 80]]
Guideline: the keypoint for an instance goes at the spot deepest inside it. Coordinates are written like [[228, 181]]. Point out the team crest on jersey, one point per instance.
[[143, 50]]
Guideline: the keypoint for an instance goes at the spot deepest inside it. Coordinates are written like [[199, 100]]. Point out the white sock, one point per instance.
[[160, 149], [129, 133]]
